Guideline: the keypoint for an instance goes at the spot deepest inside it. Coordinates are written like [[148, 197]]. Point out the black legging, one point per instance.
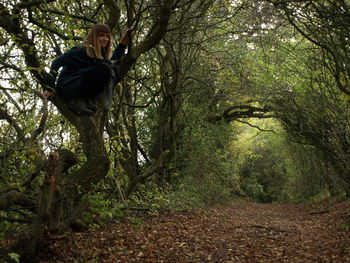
[[95, 81]]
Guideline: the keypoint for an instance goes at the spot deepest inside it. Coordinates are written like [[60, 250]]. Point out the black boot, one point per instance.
[[91, 105], [79, 107]]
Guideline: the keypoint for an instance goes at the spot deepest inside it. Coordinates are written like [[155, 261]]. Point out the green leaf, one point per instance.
[[14, 256]]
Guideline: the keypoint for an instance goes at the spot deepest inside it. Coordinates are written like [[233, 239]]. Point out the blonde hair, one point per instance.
[[92, 43]]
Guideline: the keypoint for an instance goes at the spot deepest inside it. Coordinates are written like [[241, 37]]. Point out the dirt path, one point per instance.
[[245, 232]]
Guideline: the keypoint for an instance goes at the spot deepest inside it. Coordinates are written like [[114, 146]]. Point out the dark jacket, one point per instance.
[[75, 63]]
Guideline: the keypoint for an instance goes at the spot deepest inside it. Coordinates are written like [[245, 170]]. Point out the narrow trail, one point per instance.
[[245, 232]]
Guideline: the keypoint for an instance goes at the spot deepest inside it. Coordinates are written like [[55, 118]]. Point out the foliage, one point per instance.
[[14, 256], [103, 208], [273, 169]]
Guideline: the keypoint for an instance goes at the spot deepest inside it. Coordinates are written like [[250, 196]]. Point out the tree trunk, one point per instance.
[[60, 204], [28, 245]]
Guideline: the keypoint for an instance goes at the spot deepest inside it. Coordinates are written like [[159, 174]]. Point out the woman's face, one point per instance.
[[103, 38]]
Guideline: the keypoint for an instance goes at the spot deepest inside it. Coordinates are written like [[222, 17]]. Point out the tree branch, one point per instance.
[[5, 116], [150, 171], [154, 36], [114, 13], [42, 123], [254, 126], [52, 11], [11, 24], [28, 4], [50, 29], [241, 111], [15, 220], [14, 197]]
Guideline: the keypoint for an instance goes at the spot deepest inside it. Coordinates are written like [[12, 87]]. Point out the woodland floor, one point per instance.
[[241, 232]]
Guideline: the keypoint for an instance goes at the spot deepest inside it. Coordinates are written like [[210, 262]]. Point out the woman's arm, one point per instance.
[[68, 58], [120, 50], [127, 36]]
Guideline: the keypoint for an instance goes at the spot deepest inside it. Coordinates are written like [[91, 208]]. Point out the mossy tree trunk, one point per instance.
[[60, 204]]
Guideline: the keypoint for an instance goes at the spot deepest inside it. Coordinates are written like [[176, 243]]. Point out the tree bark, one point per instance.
[[28, 245]]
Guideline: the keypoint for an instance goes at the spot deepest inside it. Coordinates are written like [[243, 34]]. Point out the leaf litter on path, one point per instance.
[[241, 232]]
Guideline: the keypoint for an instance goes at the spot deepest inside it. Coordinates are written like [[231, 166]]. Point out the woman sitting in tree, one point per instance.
[[87, 70]]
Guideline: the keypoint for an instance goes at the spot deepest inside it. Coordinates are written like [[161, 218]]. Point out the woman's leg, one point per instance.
[[92, 84], [95, 81]]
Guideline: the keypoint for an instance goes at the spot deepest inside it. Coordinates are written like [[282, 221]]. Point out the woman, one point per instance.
[[87, 70]]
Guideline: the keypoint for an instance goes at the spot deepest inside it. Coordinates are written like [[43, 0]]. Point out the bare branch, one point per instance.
[[50, 29], [4, 115], [254, 126], [52, 11]]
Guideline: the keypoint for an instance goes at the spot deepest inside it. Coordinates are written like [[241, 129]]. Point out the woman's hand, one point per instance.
[[47, 94], [127, 35]]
